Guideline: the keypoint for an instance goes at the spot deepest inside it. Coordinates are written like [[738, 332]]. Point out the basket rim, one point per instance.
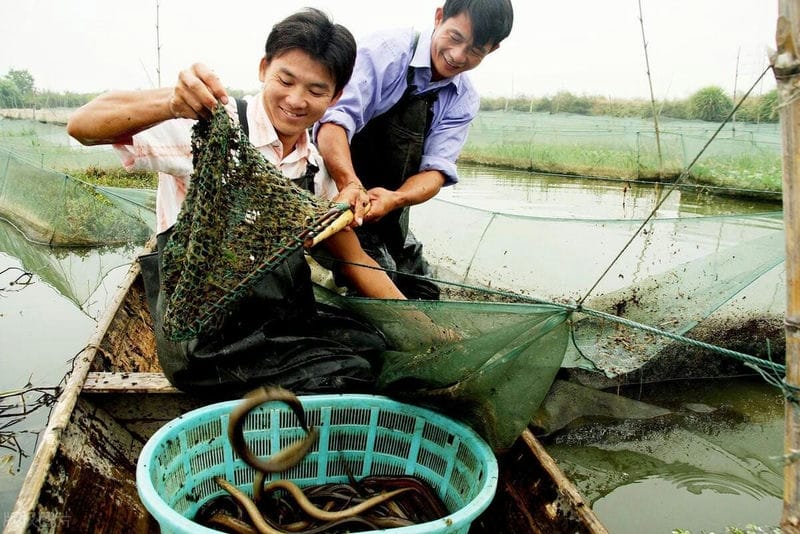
[[460, 518]]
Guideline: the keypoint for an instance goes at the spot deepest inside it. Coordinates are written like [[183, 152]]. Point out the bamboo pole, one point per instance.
[[786, 66], [158, 44], [652, 97], [735, 84]]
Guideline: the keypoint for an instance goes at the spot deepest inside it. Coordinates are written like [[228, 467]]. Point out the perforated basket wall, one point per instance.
[[365, 434]]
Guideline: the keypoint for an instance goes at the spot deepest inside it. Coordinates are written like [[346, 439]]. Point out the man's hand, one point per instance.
[[196, 93], [381, 202], [356, 196]]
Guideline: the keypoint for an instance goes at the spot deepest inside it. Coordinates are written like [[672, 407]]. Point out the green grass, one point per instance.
[[116, 177], [555, 159]]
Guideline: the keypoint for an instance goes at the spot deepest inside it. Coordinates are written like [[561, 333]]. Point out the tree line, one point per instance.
[[707, 104], [18, 90]]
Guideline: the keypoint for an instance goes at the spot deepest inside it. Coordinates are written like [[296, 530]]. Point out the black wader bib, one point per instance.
[[385, 153], [276, 335]]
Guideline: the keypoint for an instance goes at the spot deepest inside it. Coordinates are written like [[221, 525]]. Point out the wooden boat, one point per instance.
[[82, 478]]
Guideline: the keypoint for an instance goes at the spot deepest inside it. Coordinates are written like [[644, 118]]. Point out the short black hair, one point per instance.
[[313, 32], [491, 19]]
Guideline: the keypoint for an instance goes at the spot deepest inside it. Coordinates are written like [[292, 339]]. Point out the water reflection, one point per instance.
[[713, 462], [523, 193], [44, 323], [81, 275]]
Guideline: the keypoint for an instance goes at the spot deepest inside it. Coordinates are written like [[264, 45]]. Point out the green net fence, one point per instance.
[[719, 278], [52, 207], [47, 145], [627, 148]]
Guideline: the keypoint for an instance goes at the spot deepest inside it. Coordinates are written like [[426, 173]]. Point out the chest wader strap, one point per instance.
[[387, 150], [241, 108]]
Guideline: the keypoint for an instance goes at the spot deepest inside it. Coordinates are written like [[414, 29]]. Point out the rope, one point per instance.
[[747, 359], [684, 174]]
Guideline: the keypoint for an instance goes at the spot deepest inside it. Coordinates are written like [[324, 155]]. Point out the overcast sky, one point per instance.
[[587, 47]]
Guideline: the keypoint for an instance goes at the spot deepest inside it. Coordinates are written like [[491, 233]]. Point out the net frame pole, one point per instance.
[[786, 67]]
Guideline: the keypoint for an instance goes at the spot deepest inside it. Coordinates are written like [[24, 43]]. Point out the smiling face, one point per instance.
[[452, 47], [297, 91]]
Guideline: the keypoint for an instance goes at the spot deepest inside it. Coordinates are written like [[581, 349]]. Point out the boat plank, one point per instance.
[[143, 413], [116, 382], [534, 496], [89, 487]]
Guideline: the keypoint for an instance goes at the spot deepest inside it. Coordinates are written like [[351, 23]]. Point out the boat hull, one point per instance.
[[83, 479]]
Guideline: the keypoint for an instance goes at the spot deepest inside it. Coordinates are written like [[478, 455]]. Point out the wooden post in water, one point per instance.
[[786, 66]]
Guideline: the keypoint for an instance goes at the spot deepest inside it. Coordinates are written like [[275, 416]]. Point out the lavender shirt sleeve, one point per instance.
[[453, 113]]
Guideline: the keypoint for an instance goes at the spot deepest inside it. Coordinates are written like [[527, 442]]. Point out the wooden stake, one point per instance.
[[158, 45], [786, 66], [652, 97]]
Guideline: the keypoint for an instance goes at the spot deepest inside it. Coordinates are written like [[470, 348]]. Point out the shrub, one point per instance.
[[676, 109], [565, 102], [768, 107], [710, 104]]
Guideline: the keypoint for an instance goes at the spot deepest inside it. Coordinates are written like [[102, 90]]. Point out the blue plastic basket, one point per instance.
[[362, 434]]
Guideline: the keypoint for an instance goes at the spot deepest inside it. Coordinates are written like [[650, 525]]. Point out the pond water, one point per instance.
[[45, 320], [715, 460], [710, 466], [559, 197]]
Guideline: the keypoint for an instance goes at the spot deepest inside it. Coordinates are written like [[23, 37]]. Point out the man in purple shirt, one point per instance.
[[392, 139]]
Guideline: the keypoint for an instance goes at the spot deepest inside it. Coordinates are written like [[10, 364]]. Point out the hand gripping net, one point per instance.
[[240, 220]]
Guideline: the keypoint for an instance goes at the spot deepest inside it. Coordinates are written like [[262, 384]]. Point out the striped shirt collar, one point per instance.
[[263, 134]]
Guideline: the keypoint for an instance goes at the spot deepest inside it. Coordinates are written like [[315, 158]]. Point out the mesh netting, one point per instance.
[[54, 208], [720, 279], [51, 207], [487, 363], [47, 145], [610, 146], [241, 219]]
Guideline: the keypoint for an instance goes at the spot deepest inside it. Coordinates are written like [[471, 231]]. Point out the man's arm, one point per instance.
[[415, 190], [362, 272], [115, 117], [335, 150]]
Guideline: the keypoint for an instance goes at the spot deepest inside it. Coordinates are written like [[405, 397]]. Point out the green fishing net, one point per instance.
[[715, 278], [489, 364], [53, 208], [240, 220]]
